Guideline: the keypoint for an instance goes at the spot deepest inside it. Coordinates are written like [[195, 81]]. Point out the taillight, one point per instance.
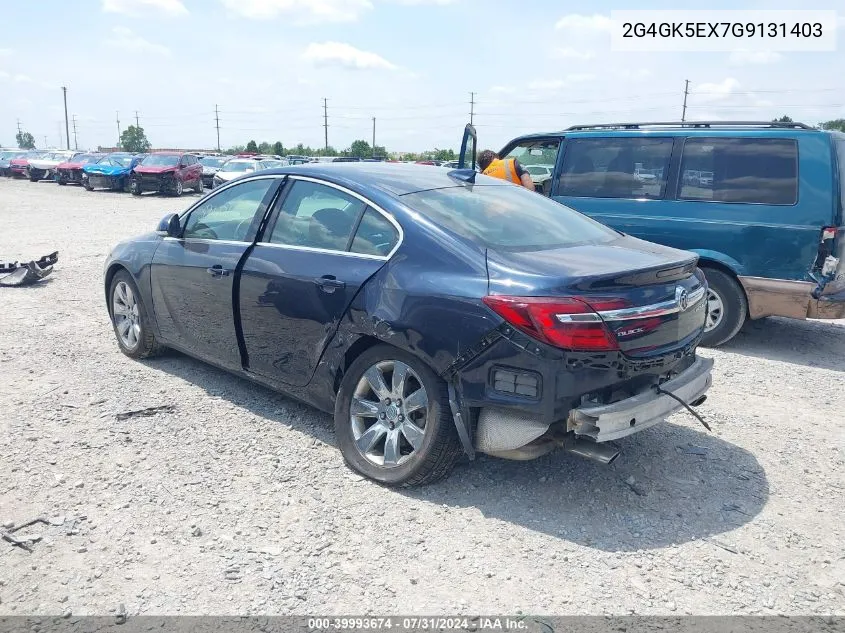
[[563, 322], [828, 233]]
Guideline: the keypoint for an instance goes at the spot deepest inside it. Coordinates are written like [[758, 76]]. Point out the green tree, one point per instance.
[[444, 154], [25, 140], [235, 149], [835, 124], [252, 147], [278, 148], [360, 149], [133, 139], [264, 147], [783, 119], [379, 151]]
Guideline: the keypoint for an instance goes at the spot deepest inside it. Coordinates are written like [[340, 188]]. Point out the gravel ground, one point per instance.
[[237, 501]]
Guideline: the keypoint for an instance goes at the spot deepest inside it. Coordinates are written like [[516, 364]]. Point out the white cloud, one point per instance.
[[5, 52], [710, 92], [747, 58], [4, 74], [340, 54], [546, 84], [579, 22], [419, 2], [23, 79], [129, 41], [566, 52], [503, 90], [580, 77], [140, 8], [300, 11]]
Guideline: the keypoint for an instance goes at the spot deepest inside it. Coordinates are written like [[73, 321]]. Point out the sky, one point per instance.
[[267, 65]]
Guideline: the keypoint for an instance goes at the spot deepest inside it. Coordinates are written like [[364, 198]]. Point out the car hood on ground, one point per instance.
[[106, 170], [155, 169]]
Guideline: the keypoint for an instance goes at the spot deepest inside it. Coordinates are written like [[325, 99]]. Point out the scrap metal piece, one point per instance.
[[17, 274]]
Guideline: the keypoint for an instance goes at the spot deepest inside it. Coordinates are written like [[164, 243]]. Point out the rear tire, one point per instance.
[[199, 186], [128, 312], [727, 308], [435, 448]]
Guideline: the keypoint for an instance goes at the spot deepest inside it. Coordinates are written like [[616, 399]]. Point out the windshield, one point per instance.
[[123, 161], [212, 161], [507, 217], [239, 165], [84, 159], [161, 160], [534, 170]]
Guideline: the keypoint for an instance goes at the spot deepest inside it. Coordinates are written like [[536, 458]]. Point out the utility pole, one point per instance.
[[471, 106], [374, 137], [45, 142], [217, 123], [117, 115], [326, 121], [686, 92], [67, 130], [75, 143], [136, 119]]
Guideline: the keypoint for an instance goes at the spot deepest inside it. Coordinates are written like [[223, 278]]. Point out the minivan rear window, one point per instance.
[[615, 167], [507, 217], [744, 170]]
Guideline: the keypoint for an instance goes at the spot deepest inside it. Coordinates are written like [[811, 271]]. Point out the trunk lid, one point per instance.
[[649, 296]]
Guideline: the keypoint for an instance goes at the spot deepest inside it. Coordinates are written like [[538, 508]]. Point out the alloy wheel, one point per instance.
[[715, 310], [126, 315], [388, 413]]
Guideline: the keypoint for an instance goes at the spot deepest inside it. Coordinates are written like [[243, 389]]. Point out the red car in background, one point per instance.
[[167, 172], [19, 167], [70, 172]]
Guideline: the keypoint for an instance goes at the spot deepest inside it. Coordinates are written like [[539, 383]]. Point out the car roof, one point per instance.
[[168, 153], [394, 178]]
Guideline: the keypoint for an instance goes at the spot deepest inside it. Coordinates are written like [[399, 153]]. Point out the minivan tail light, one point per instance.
[[564, 322], [828, 233]]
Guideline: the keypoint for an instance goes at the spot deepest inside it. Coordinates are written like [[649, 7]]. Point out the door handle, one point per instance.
[[217, 271], [329, 283]]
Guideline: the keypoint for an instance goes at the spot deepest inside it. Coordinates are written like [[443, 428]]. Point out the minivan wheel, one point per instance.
[[130, 319], [392, 419], [727, 308]]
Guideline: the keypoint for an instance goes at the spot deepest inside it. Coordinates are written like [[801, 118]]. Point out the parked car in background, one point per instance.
[[19, 165], [70, 172], [539, 173], [451, 164], [234, 168], [167, 172], [761, 203], [110, 172], [6, 157], [270, 163], [210, 165], [45, 166], [386, 295], [346, 159]]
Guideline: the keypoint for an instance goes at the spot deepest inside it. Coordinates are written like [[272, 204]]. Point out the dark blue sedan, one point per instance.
[[435, 313]]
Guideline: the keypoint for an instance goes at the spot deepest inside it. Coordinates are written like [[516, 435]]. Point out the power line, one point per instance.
[[67, 130], [75, 143], [117, 116], [137, 124], [217, 123], [686, 92], [374, 137], [326, 121], [471, 106]]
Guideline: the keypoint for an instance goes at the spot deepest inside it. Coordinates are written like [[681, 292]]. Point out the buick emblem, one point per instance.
[[682, 298]]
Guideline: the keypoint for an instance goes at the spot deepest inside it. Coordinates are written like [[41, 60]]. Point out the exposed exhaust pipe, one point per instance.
[[601, 453]]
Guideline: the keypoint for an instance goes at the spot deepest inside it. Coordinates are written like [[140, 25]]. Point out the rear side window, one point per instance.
[[507, 217], [375, 235], [742, 170], [615, 167], [316, 216]]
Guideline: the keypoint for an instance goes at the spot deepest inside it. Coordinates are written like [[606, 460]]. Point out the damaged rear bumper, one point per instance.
[[612, 421]]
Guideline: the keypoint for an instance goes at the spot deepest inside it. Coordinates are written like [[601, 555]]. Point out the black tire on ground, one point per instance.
[[734, 307], [135, 187], [199, 187], [61, 181], [440, 448], [147, 344], [87, 184], [178, 188], [33, 178]]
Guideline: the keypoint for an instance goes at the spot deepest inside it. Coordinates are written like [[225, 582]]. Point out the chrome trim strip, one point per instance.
[[654, 310], [311, 249], [578, 318], [203, 240]]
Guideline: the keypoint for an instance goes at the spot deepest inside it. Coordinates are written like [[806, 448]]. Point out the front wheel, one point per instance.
[[178, 188], [199, 186], [135, 187], [87, 184], [727, 308], [392, 419], [61, 181], [130, 319]]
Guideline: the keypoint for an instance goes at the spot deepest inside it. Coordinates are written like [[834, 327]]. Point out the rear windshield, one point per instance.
[[507, 217], [239, 165], [213, 161]]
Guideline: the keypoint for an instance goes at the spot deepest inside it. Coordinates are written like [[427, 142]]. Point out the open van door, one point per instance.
[[469, 144]]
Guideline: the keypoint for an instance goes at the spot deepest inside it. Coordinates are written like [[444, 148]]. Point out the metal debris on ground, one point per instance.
[[26, 274], [146, 412], [6, 534]]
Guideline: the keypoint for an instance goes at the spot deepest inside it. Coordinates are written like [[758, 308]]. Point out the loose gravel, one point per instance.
[[232, 499]]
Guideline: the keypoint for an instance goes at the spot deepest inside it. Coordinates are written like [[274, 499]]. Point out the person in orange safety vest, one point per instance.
[[508, 169]]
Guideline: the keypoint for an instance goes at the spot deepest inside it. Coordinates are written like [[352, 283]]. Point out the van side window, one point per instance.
[[745, 170], [615, 167], [539, 158]]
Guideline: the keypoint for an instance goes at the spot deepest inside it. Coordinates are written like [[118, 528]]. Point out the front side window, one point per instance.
[[615, 167], [746, 170], [507, 218], [316, 216], [229, 214], [375, 235]]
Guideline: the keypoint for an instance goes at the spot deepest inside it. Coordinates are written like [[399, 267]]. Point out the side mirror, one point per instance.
[[169, 225]]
